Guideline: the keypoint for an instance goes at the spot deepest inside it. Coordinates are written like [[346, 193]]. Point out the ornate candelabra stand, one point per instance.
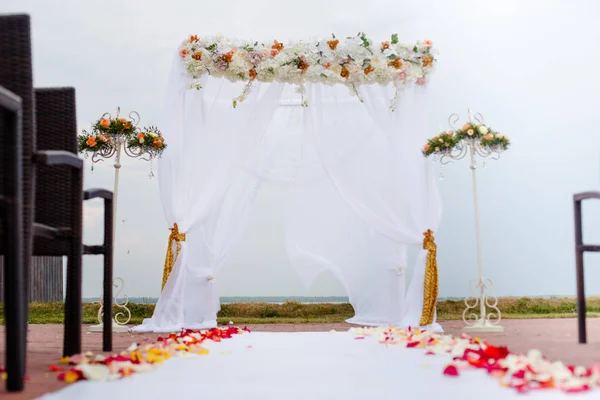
[[489, 314], [116, 144]]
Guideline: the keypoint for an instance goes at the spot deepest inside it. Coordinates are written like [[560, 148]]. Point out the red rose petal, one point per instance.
[[54, 368], [451, 370]]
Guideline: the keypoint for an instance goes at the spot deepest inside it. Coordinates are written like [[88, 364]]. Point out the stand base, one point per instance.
[[483, 326], [115, 328]]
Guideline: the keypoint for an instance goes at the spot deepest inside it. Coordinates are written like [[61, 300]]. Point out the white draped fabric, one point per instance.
[[371, 157], [360, 192]]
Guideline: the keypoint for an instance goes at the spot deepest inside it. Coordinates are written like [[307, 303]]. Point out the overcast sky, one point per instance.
[[531, 67]]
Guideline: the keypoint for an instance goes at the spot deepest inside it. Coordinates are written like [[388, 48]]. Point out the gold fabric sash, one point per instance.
[[176, 237], [430, 292]]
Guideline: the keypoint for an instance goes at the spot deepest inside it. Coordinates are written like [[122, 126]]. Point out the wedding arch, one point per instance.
[[360, 191]]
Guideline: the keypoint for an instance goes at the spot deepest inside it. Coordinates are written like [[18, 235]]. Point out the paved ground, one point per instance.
[[557, 338]]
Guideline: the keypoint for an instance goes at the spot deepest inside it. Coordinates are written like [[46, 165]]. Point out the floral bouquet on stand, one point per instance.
[[108, 133], [481, 136]]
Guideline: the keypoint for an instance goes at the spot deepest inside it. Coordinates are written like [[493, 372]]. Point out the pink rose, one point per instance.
[[420, 81], [402, 75]]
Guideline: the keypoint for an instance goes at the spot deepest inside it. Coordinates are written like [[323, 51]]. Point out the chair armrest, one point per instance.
[[97, 193], [97, 249], [586, 195], [58, 157], [9, 100], [45, 231]]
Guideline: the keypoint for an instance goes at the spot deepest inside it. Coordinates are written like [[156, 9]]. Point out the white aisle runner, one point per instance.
[[305, 365]]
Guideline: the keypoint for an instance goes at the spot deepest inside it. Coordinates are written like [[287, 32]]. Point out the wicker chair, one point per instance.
[[58, 204], [581, 248], [11, 238], [16, 77]]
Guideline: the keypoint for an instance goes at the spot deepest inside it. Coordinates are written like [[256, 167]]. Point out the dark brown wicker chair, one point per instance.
[[11, 237], [581, 248], [16, 76], [58, 209]]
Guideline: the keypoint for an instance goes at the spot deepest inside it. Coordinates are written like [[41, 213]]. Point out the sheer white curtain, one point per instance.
[[406, 129], [360, 192], [380, 196], [203, 189]]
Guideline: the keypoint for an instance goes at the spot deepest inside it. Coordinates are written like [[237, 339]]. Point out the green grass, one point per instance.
[[294, 312]]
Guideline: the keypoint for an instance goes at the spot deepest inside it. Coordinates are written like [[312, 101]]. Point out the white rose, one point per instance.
[[482, 129]]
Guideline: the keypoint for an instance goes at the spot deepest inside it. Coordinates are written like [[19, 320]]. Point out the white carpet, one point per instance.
[[306, 365]]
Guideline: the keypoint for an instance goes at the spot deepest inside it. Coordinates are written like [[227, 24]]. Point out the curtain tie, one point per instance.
[[430, 290], [176, 237]]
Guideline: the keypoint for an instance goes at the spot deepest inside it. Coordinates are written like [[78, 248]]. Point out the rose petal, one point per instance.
[[451, 370]]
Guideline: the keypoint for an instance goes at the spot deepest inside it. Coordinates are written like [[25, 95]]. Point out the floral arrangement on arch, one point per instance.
[[487, 139], [352, 61], [104, 134]]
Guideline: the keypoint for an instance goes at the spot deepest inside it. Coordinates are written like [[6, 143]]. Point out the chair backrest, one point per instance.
[[16, 75], [56, 129]]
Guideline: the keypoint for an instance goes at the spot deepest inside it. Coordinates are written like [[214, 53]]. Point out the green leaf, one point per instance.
[[415, 49], [333, 35], [394, 38]]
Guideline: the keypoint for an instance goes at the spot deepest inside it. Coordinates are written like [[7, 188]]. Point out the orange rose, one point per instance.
[[194, 38], [183, 53], [141, 137], [489, 136], [327, 66], [345, 73], [277, 46], [333, 44], [303, 65], [426, 148], [91, 141], [274, 52], [227, 57], [368, 70], [466, 126], [197, 56], [385, 45], [105, 123], [126, 125], [252, 74], [157, 143], [122, 120], [396, 63], [427, 61], [427, 43]]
